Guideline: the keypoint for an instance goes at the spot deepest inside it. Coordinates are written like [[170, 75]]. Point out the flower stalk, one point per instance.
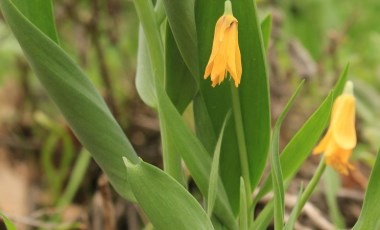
[[239, 128], [312, 184]]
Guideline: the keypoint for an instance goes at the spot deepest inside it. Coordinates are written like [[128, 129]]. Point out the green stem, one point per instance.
[[241, 142], [312, 184], [148, 19]]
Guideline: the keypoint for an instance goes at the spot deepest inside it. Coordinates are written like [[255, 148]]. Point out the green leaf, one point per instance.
[[148, 19], [266, 26], [253, 94], [181, 53], [76, 97], [144, 74], [206, 135], [40, 13], [182, 141], [166, 203], [179, 83], [294, 214], [8, 224], [278, 188], [182, 23], [176, 136], [339, 86], [300, 146], [243, 213], [214, 174], [276, 170], [369, 216]]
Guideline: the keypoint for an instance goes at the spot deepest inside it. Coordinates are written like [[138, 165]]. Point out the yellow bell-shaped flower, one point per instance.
[[340, 139], [225, 55]]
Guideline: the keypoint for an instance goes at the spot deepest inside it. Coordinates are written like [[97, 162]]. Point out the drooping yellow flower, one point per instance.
[[225, 55], [340, 139]]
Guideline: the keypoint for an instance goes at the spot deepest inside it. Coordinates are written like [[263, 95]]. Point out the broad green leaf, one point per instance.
[[177, 137], [266, 27], [40, 13], [8, 224], [206, 134], [144, 73], [182, 23], [179, 83], [166, 203], [332, 186], [253, 93], [181, 53], [300, 146], [76, 97], [277, 179], [294, 214], [214, 174], [369, 215], [148, 17], [182, 141]]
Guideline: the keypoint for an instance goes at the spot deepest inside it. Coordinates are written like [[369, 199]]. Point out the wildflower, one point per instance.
[[340, 138], [225, 55]]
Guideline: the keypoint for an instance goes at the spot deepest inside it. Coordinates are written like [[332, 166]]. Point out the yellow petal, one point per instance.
[[226, 23], [322, 145], [231, 64], [215, 47], [225, 53], [331, 147], [208, 70], [238, 62], [220, 61], [344, 131], [339, 160]]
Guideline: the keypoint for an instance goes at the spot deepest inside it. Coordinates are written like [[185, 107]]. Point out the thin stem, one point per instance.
[[241, 141], [312, 184]]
